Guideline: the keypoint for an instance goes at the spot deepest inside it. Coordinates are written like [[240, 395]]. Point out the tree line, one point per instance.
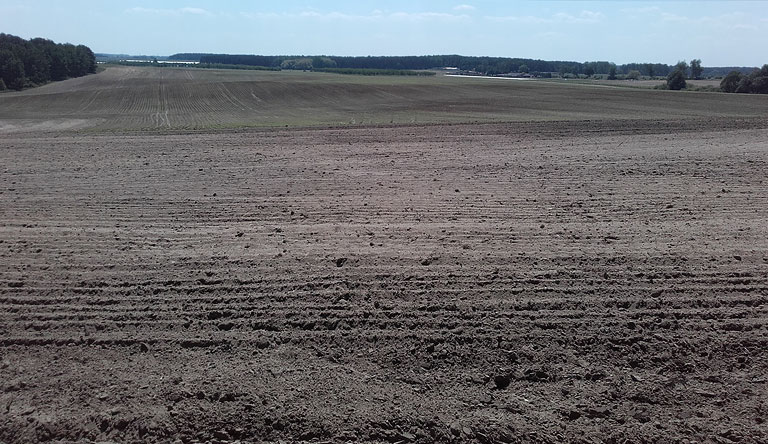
[[27, 63], [376, 72], [482, 65], [754, 83]]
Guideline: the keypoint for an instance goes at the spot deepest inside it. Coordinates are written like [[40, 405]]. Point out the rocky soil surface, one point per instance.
[[514, 283]]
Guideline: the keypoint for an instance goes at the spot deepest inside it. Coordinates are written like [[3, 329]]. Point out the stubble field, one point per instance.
[[540, 279]]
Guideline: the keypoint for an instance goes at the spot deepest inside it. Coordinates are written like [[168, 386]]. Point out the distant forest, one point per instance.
[[484, 65], [26, 63]]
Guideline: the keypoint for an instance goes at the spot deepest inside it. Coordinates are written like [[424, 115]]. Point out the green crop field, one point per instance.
[[140, 98]]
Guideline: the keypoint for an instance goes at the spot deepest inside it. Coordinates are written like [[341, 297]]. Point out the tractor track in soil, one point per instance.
[[522, 282]]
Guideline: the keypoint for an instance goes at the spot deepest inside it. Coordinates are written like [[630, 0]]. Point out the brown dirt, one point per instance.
[[161, 99], [530, 282]]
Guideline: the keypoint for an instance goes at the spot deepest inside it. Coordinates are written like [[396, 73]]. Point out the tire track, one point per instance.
[[619, 292]]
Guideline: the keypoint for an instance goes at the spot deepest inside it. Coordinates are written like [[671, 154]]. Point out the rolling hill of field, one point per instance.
[[140, 98]]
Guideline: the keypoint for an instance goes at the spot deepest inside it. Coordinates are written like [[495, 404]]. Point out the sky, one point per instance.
[[720, 33]]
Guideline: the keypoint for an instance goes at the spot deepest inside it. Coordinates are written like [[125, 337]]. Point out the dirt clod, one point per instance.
[[502, 381]]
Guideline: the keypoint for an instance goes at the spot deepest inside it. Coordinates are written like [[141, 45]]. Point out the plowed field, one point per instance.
[[140, 99], [547, 282]]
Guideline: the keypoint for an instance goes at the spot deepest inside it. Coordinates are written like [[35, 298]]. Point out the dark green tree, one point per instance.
[[601, 67], [760, 85], [650, 70], [42, 61], [676, 80], [745, 85], [730, 83], [681, 66], [36, 66], [523, 68], [59, 61], [11, 70], [759, 81], [323, 62], [612, 73], [696, 69]]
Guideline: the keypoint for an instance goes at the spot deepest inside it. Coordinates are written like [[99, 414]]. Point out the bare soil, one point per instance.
[[525, 282], [161, 99]]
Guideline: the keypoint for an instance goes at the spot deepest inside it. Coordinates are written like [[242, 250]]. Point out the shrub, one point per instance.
[[760, 85], [676, 80], [755, 83], [745, 85], [730, 83]]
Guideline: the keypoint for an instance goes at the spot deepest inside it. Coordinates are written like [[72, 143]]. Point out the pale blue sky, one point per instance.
[[721, 33]]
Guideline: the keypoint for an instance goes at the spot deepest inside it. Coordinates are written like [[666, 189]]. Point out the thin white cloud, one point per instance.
[[730, 21], [376, 15], [583, 17], [669, 17], [519, 19], [423, 16], [643, 10], [168, 12], [197, 11], [260, 15], [139, 10], [463, 8], [561, 17], [330, 15]]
